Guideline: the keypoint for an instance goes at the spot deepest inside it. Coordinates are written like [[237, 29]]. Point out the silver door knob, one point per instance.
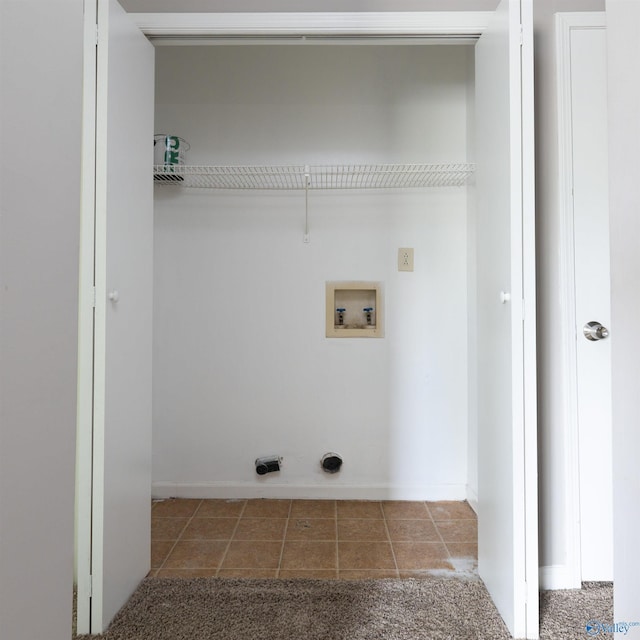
[[595, 331]]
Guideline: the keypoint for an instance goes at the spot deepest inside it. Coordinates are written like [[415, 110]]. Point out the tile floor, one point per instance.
[[311, 538]]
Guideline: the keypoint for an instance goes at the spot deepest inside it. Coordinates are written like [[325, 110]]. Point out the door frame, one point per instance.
[[566, 22], [364, 27], [421, 27], [86, 321]]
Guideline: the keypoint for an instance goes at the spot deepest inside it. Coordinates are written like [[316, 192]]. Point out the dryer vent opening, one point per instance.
[[331, 462]]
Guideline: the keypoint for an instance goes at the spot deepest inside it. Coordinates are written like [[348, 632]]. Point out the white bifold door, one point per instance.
[[115, 416], [506, 327], [114, 461]]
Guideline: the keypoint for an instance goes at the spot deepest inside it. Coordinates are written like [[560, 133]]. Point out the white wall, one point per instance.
[[623, 50], [241, 364], [40, 115]]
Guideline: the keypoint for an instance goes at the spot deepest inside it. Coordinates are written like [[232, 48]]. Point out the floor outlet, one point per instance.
[[405, 259]]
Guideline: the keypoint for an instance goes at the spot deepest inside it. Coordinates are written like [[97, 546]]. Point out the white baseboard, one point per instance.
[[211, 490], [557, 576], [472, 498]]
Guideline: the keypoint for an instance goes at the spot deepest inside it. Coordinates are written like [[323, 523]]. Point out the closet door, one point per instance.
[[121, 430], [507, 460]]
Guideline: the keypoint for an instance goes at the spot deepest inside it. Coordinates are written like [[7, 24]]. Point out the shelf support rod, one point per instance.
[[307, 183]]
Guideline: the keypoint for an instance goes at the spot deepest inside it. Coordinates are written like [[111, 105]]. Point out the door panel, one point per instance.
[[592, 272], [507, 460], [123, 277]]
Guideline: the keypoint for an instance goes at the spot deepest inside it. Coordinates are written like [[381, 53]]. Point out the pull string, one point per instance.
[[307, 184]]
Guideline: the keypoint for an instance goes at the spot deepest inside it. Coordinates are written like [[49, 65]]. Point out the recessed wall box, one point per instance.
[[354, 310]]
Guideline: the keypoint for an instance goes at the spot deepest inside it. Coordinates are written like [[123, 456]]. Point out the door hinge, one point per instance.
[[96, 35], [93, 297], [521, 35], [90, 586]]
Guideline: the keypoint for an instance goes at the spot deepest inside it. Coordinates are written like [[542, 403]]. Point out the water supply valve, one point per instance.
[[368, 315]]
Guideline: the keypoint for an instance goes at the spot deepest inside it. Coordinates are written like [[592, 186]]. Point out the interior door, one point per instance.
[[507, 459], [122, 250], [589, 160]]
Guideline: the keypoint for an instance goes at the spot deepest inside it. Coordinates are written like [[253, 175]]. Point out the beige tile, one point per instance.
[[246, 554], [359, 509], [261, 529], [167, 528], [313, 509], [360, 529], [186, 573], [311, 529], [450, 510], [152, 573], [413, 556], [463, 549], [313, 574], [399, 510], [365, 555], [267, 509], [372, 574], [175, 508], [412, 531], [210, 529], [247, 573], [304, 554], [196, 554], [220, 508], [159, 552], [458, 530]]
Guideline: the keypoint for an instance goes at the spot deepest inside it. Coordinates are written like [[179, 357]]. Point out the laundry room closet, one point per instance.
[[244, 365], [341, 270]]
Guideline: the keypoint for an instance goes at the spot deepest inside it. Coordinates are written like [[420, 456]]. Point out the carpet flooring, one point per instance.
[[438, 608], [565, 613]]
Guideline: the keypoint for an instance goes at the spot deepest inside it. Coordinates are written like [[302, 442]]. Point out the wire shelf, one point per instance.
[[298, 177]]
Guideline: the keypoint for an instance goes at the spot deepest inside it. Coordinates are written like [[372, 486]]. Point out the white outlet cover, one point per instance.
[[405, 259]]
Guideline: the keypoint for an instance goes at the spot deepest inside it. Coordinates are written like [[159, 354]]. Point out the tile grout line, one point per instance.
[[231, 537], [193, 515], [393, 551], [435, 524], [284, 538]]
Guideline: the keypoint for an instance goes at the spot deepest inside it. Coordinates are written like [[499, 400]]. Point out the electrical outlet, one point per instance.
[[405, 259]]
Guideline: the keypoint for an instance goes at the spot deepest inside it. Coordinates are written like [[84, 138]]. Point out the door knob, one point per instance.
[[595, 331]]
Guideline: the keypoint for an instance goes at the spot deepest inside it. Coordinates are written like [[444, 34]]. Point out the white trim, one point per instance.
[[86, 297], [180, 28], [268, 489], [557, 577], [565, 23], [100, 329], [527, 324], [472, 498]]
